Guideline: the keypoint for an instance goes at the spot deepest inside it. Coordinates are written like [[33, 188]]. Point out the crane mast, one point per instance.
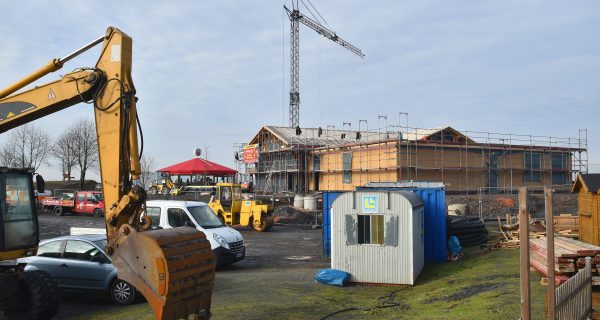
[[296, 17]]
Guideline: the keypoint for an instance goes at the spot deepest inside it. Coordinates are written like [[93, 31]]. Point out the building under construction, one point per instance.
[[301, 160]]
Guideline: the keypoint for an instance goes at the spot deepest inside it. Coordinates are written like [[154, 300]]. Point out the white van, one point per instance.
[[227, 243]]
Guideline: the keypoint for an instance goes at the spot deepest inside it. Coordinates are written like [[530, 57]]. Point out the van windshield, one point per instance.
[[205, 217]]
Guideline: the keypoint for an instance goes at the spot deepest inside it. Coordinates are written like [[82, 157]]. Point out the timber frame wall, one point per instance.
[[465, 161]]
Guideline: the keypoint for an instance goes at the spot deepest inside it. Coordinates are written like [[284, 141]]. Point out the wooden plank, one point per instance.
[[559, 268], [581, 244], [559, 252], [543, 270]]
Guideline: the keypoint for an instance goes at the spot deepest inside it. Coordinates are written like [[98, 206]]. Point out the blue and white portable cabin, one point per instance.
[[432, 194], [378, 236]]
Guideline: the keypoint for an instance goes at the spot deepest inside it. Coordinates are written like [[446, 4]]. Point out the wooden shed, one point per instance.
[[588, 188]]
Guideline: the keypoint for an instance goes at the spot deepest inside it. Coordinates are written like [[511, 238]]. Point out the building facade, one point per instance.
[[313, 159]]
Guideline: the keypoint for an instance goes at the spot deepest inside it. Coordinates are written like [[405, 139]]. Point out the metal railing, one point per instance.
[[574, 297]]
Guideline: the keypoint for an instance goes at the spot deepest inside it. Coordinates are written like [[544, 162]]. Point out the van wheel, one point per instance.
[[98, 213], [58, 211]]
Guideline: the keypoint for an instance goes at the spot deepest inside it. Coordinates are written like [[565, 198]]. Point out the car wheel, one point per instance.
[[122, 292], [98, 213], [58, 211]]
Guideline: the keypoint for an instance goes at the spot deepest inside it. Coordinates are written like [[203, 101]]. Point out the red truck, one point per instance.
[[80, 202]]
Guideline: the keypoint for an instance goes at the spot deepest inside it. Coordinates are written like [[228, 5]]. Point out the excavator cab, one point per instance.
[[24, 295], [18, 218]]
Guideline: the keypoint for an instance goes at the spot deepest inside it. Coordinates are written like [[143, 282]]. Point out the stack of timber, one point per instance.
[[567, 225], [569, 256], [505, 240], [510, 239]]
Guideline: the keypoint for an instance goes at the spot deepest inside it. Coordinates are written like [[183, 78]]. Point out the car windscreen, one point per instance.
[[205, 217]]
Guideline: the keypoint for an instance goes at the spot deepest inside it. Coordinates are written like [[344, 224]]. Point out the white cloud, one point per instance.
[[212, 72]]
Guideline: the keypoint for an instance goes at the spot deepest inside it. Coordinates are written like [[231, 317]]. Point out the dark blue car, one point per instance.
[[78, 263]]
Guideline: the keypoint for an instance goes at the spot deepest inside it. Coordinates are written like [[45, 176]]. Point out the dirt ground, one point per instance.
[[275, 281]]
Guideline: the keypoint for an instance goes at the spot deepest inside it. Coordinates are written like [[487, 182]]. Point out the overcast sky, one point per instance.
[[213, 72]]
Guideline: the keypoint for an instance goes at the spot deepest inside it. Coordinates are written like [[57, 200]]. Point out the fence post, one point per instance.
[[551, 290], [524, 254], [588, 289]]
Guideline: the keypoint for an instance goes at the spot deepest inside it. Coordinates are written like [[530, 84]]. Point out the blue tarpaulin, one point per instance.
[[454, 246], [332, 277]]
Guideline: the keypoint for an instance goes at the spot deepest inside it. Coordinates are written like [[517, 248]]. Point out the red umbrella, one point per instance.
[[198, 166]]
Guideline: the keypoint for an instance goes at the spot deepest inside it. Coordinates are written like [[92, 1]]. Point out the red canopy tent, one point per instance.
[[198, 166]]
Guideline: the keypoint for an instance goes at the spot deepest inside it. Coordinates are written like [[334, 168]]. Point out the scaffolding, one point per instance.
[[301, 160]]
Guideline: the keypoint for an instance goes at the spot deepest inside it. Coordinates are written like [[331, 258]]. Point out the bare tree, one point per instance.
[[84, 147], [147, 166], [28, 147], [63, 152]]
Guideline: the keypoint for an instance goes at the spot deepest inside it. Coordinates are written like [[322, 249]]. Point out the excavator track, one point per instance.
[[173, 268]]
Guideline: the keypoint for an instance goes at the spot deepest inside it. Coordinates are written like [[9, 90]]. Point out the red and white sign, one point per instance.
[[250, 153]]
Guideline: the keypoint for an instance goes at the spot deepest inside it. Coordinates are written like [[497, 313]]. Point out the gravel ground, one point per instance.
[[298, 250], [275, 281]]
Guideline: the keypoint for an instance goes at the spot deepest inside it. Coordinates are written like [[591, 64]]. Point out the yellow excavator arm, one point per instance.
[[172, 268]]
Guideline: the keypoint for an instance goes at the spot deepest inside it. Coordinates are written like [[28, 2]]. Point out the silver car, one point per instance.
[[78, 263]]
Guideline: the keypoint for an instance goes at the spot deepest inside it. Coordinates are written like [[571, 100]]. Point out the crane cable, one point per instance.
[[319, 14]]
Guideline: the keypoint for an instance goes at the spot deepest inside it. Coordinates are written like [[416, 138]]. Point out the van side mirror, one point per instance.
[[40, 184]]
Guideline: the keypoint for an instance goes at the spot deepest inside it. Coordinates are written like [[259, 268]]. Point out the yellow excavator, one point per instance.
[[164, 188], [172, 268]]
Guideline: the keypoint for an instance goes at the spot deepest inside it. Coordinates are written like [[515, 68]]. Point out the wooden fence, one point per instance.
[[574, 297]]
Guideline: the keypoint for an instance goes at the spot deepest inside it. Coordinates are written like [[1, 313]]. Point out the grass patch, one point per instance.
[[485, 285]]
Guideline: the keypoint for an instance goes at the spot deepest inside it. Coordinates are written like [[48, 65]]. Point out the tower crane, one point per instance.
[[296, 17]]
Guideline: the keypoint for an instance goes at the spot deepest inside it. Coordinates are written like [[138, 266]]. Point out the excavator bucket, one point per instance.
[[173, 268]]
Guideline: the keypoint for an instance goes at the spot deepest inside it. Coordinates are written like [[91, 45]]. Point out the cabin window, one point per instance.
[[370, 229], [376, 229], [533, 164]]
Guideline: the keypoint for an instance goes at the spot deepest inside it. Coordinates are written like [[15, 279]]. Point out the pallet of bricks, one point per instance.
[[569, 256]]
